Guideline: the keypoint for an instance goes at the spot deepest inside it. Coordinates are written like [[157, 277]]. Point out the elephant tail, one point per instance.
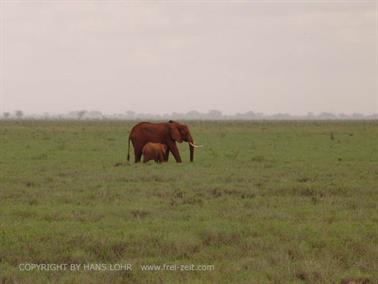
[[128, 151]]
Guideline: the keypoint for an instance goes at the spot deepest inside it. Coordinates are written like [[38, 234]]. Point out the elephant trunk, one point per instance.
[[191, 147]]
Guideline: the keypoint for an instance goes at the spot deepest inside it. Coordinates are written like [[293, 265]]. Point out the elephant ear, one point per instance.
[[175, 134]]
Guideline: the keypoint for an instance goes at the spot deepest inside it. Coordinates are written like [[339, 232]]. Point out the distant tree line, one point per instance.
[[191, 115]]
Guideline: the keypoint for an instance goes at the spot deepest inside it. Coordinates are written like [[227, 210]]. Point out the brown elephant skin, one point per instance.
[[167, 133], [155, 152]]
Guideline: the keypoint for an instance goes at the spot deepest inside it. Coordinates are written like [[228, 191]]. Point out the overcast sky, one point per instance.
[[163, 57]]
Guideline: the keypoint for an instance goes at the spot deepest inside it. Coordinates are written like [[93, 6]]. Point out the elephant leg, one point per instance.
[[161, 157], [138, 154], [166, 156], [175, 153]]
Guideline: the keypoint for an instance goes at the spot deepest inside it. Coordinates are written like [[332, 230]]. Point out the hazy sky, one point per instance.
[[177, 56]]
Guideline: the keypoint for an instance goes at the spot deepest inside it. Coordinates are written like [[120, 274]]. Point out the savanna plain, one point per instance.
[[263, 202]]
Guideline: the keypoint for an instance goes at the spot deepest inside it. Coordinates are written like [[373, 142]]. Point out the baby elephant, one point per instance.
[[154, 151]]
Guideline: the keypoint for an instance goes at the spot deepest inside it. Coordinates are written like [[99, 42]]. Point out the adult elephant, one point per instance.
[[167, 133]]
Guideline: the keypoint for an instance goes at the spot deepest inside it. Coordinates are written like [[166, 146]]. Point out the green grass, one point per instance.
[[264, 202]]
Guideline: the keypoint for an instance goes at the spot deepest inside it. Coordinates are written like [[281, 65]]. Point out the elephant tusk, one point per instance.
[[195, 146]]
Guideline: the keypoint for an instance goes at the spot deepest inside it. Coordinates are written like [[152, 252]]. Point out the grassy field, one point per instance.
[[263, 202]]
